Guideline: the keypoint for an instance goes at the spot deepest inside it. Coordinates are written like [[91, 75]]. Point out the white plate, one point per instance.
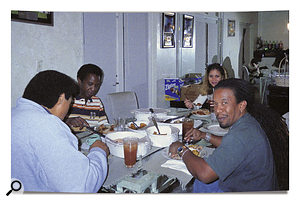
[[214, 129], [198, 116]]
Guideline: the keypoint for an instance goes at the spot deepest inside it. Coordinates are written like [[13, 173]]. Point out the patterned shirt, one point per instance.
[[92, 111]]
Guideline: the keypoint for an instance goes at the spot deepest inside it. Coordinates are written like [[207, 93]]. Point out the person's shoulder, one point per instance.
[[95, 97]]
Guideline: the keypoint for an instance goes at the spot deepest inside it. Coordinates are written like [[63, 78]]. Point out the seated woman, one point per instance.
[[214, 73]]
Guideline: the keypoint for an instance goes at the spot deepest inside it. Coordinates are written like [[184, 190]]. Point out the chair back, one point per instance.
[[245, 73], [122, 103]]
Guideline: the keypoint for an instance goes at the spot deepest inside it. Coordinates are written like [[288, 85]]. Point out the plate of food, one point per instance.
[[106, 128], [214, 129], [196, 149], [201, 113], [138, 125]]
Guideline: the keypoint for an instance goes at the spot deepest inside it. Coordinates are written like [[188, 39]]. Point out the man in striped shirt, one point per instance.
[[87, 109]]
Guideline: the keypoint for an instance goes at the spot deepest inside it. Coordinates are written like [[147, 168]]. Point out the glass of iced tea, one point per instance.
[[130, 145], [211, 108], [210, 100], [187, 124]]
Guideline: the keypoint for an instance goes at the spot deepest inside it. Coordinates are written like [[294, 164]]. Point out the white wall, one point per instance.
[[231, 45], [272, 25], [39, 47]]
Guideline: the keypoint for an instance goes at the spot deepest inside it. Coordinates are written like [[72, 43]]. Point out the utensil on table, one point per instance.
[[154, 121], [148, 155], [135, 125], [172, 119], [99, 133]]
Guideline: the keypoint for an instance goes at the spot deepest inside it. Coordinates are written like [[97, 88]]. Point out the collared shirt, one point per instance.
[[92, 111], [45, 156]]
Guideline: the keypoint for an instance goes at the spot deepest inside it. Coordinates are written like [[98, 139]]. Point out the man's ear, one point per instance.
[[242, 106], [79, 81], [61, 98]]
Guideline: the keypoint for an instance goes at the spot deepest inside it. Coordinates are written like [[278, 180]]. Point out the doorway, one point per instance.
[[245, 47], [118, 43]]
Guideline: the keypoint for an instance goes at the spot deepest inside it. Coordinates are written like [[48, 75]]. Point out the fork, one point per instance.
[[136, 126]]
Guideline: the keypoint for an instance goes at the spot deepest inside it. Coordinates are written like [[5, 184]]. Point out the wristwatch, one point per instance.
[[180, 150], [207, 137]]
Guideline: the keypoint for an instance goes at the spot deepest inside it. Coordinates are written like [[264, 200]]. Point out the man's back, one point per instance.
[[45, 155]]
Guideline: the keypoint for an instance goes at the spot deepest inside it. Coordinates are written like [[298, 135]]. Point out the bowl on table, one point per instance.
[[116, 148], [169, 134], [144, 114], [175, 123]]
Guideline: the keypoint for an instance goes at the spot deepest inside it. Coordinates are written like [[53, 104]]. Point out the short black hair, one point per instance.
[[241, 89], [89, 69], [46, 87]]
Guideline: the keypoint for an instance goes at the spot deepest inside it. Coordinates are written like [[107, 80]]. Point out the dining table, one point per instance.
[[154, 172]]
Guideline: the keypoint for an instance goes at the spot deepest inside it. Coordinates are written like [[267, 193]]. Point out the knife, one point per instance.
[[99, 133], [148, 155], [172, 119]]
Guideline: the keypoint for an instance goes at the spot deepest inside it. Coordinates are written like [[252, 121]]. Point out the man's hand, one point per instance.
[[194, 135], [101, 145], [173, 148], [76, 122]]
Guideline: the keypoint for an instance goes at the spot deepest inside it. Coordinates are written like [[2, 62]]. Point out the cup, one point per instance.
[[130, 145], [120, 123], [187, 124], [91, 139], [210, 101]]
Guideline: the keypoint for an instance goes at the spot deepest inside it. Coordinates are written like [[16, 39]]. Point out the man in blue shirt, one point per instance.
[[44, 152], [243, 159]]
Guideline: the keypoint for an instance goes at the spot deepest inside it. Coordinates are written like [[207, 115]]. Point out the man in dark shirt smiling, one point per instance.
[[243, 159]]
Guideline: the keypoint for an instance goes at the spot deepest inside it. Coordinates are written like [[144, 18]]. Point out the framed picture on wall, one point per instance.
[[187, 35], [35, 17], [231, 27], [168, 30]]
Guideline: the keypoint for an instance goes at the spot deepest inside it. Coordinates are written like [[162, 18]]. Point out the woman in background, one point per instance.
[[214, 74]]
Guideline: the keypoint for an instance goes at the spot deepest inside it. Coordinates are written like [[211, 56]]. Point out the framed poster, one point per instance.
[[231, 28], [35, 17], [188, 27], [168, 30]]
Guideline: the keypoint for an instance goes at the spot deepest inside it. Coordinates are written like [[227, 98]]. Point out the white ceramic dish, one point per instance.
[[214, 129], [144, 114], [163, 140], [198, 116], [116, 149], [139, 122], [177, 123]]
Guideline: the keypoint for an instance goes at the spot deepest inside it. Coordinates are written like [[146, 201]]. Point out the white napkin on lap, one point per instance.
[[176, 165]]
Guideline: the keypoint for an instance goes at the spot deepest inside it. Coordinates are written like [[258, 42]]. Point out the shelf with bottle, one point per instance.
[[269, 53], [268, 45]]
